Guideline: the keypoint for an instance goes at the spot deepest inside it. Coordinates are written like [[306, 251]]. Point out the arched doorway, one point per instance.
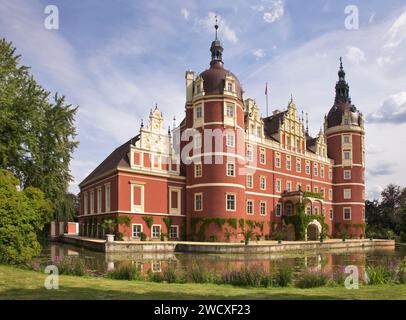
[[313, 230]]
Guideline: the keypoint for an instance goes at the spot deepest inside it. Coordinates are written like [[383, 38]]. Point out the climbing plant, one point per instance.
[[300, 221], [149, 221]]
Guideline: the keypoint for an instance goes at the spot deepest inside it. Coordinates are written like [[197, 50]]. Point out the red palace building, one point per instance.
[[225, 165]]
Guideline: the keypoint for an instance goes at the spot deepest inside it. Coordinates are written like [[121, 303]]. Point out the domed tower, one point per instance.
[[213, 137], [344, 128]]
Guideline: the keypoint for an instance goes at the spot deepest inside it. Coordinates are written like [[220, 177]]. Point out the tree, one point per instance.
[[23, 215], [37, 133]]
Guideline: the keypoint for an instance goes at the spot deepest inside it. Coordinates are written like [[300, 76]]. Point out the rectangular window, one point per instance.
[[230, 111], [230, 87], [99, 199], [330, 194], [262, 156], [347, 213], [316, 211], [278, 210], [198, 170], [347, 194], [278, 185], [107, 195], [137, 196], [198, 201], [91, 202], [316, 169], [262, 208], [288, 163], [197, 140], [250, 207], [322, 192], [174, 232], [199, 112], [298, 165], [347, 174], [156, 231], [307, 167], [230, 169], [346, 139], [330, 174], [298, 186], [86, 203], [316, 189], [249, 181], [258, 131], [331, 214], [174, 200], [321, 171], [308, 188], [230, 140], [347, 155], [288, 186], [277, 160], [137, 230], [249, 153], [230, 198], [262, 183]]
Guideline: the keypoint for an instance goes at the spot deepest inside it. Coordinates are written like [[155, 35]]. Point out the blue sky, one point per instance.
[[116, 59]]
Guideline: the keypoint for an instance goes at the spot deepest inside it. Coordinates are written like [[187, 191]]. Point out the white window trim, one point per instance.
[[252, 181], [262, 178], [287, 184], [177, 231], [132, 229], [278, 183], [178, 190], [344, 213], [228, 134], [137, 208], [195, 170], [91, 201], [201, 201], [278, 156], [289, 160], [235, 201], [260, 204], [253, 210], [262, 152], [152, 231], [280, 210], [347, 171], [107, 197], [331, 214], [230, 175], [299, 162], [85, 203], [347, 194]]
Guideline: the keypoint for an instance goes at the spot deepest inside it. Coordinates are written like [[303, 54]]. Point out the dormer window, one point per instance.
[[230, 87], [198, 112]]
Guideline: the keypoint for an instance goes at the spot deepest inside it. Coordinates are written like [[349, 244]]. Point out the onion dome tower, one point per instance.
[[344, 128], [214, 122]]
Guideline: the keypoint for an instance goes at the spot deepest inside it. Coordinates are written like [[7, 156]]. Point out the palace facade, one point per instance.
[[225, 168]]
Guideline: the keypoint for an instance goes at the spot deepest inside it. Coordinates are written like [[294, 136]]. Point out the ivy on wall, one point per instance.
[[300, 221]]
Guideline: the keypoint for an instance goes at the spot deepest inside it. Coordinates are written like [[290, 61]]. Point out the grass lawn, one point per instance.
[[23, 284]]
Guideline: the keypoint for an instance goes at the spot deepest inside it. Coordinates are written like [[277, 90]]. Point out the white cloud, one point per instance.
[[393, 110], [355, 55], [274, 11], [224, 28], [185, 13], [258, 53], [397, 33]]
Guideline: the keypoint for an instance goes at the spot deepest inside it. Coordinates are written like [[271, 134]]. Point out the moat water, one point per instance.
[[326, 261]]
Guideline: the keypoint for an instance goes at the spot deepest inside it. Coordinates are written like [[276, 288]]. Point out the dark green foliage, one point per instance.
[[312, 280], [125, 272], [168, 223], [73, 266], [37, 133], [282, 277], [233, 223], [149, 221], [23, 215], [200, 274], [380, 274]]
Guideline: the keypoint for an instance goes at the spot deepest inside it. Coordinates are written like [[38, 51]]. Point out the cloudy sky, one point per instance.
[[116, 59]]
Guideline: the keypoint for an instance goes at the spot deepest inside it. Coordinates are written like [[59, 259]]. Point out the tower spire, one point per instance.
[[216, 49], [342, 87]]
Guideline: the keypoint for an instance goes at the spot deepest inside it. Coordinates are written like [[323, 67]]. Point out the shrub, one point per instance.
[[155, 276], [125, 272], [200, 274], [401, 274], [71, 266], [143, 236], [171, 274], [312, 280], [282, 278], [253, 277], [379, 275]]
